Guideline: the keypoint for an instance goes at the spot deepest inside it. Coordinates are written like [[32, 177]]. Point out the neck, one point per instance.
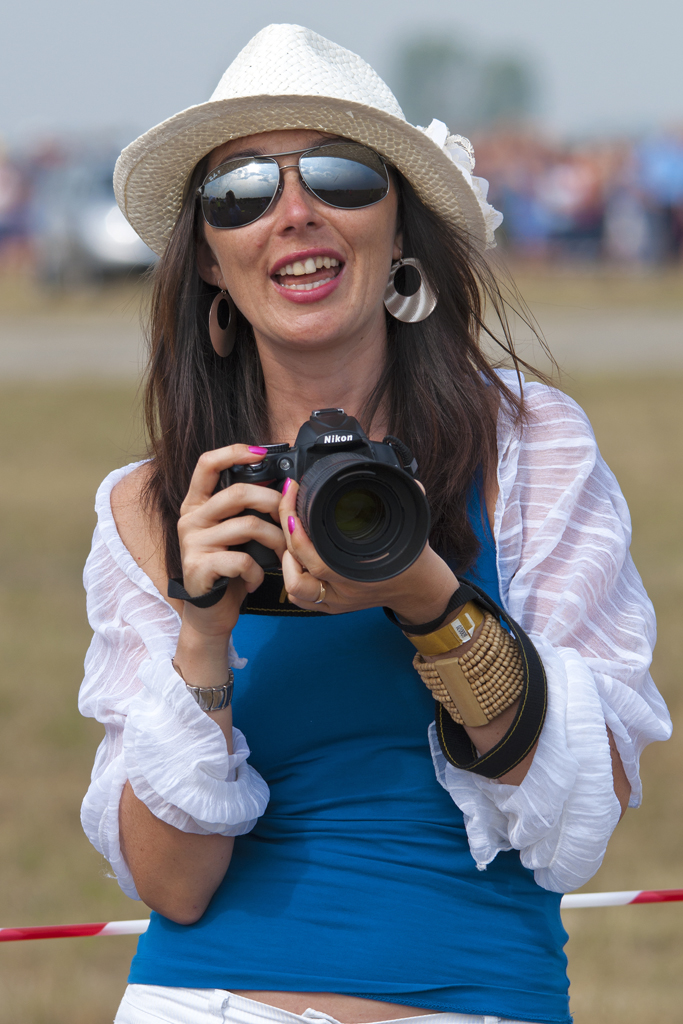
[[301, 380]]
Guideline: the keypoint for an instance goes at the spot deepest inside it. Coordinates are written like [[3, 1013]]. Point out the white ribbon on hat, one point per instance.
[[461, 152]]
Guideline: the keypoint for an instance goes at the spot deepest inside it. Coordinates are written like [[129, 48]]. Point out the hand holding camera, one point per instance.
[[213, 525], [355, 520], [358, 500], [353, 513]]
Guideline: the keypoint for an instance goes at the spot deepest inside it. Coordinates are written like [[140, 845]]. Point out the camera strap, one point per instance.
[[176, 591], [519, 740], [269, 599]]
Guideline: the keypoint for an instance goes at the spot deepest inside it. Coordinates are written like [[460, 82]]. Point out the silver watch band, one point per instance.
[[213, 698]]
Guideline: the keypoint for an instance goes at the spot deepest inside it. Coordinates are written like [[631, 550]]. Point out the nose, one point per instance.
[[296, 208]]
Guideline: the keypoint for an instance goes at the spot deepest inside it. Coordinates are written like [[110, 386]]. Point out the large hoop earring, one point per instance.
[[222, 324], [410, 309]]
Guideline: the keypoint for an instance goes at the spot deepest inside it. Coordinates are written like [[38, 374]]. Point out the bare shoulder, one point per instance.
[[136, 525]]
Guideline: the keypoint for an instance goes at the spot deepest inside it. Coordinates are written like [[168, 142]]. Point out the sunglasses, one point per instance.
[[345, 175]]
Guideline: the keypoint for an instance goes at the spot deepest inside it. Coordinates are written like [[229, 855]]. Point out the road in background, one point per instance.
[[53, 347], [109, 345]]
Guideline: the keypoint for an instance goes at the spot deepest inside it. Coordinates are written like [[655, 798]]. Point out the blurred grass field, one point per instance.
[[57, 441]]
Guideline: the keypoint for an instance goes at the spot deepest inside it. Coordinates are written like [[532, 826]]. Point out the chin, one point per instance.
[[314, 328]]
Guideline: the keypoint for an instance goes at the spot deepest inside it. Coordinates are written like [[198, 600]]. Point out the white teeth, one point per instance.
[[308, 266], [307, 287]]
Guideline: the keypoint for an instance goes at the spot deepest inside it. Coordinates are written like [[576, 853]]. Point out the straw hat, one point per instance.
[[290, 77]]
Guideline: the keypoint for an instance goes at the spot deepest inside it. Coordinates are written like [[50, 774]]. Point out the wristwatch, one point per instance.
[[211, 698]]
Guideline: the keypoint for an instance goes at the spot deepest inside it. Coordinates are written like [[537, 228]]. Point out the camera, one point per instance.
[[358, 500]]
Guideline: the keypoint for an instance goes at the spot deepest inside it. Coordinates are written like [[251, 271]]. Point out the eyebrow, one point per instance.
[[244, 152]]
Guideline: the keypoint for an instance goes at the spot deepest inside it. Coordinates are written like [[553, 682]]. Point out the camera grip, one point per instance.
[[263, 556]]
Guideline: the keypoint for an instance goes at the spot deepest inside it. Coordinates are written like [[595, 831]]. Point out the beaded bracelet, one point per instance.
[[519, 740], [477, 687]]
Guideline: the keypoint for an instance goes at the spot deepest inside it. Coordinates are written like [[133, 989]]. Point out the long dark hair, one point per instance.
[[438, 391]]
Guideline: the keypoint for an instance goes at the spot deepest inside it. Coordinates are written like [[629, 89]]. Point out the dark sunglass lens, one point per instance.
[[345, 176], [239, 192]]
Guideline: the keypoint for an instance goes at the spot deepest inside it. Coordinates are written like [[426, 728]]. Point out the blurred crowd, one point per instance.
[[59, 218], [617, 201], [614, 201]]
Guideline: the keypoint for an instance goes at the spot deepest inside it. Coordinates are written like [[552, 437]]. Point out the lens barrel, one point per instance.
[[369, 521]]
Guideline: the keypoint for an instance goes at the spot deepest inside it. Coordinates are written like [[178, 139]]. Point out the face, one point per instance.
[[352, 251]]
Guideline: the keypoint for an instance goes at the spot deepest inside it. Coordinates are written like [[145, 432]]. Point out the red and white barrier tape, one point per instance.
[[617, 899], [68, 931], [571, 902]]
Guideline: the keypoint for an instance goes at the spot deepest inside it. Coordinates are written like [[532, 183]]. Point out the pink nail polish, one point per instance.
[[257, 451], [291, 523], [285, 486]]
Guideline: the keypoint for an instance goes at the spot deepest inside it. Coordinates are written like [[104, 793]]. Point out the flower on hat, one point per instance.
[[461, 151]]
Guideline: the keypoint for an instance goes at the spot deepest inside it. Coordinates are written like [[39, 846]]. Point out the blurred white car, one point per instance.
[[78, 230]]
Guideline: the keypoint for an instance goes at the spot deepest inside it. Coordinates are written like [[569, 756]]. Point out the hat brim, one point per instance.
[[151, 173]]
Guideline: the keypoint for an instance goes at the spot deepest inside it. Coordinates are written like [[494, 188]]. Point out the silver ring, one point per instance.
[[321, 598]]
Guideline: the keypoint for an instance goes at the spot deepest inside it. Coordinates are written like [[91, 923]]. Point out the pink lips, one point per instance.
[[314, 294]]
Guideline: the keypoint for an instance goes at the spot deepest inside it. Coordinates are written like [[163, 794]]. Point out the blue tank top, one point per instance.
[[358, 878]]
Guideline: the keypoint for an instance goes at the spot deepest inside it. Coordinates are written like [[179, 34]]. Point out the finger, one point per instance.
[[292, 571], [200, 575], [298, 541], [209, 467], [235, 531], [288, 498], [301, 547], [287, 508], [231, 501], [302, 588]]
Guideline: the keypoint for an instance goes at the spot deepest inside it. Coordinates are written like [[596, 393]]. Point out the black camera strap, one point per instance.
[[177, 591], [268, 599]]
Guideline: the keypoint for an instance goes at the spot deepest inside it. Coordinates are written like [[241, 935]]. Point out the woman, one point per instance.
[[359, 888]]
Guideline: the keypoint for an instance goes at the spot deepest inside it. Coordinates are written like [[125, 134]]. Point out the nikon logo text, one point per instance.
[[337, 438]]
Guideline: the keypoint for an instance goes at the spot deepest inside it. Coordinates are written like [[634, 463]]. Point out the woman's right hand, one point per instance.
[[176, 872], [211, 524]]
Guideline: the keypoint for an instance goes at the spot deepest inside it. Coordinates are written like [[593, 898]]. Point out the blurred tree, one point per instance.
[[435, 77], [439, 77], [507, 90]]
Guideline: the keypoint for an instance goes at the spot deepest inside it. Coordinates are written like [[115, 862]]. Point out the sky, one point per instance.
[[80, 66]]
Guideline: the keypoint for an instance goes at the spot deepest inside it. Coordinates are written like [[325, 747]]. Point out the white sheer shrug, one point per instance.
[[562, 533]]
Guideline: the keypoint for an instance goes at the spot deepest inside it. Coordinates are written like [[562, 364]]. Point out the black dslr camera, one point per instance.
[[358, 500]]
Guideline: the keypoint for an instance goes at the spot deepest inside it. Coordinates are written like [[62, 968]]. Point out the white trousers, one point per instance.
[[149, 1004]]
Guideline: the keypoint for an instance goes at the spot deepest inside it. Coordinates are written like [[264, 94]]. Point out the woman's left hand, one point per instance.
[[418, 595]]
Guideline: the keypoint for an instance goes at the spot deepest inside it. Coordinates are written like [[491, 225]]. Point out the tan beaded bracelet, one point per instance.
[[481, 684]]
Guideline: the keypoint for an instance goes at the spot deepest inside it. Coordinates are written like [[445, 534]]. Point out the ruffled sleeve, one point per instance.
[[562, 533], [130, 686]]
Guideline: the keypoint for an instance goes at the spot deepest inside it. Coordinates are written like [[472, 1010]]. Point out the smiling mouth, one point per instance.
[[307, 275]]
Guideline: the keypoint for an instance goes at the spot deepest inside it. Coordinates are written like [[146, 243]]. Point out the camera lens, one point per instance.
[[359, 514], [368, 520]]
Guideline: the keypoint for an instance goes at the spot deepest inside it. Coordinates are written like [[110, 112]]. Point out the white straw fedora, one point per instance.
[[290, 77]]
